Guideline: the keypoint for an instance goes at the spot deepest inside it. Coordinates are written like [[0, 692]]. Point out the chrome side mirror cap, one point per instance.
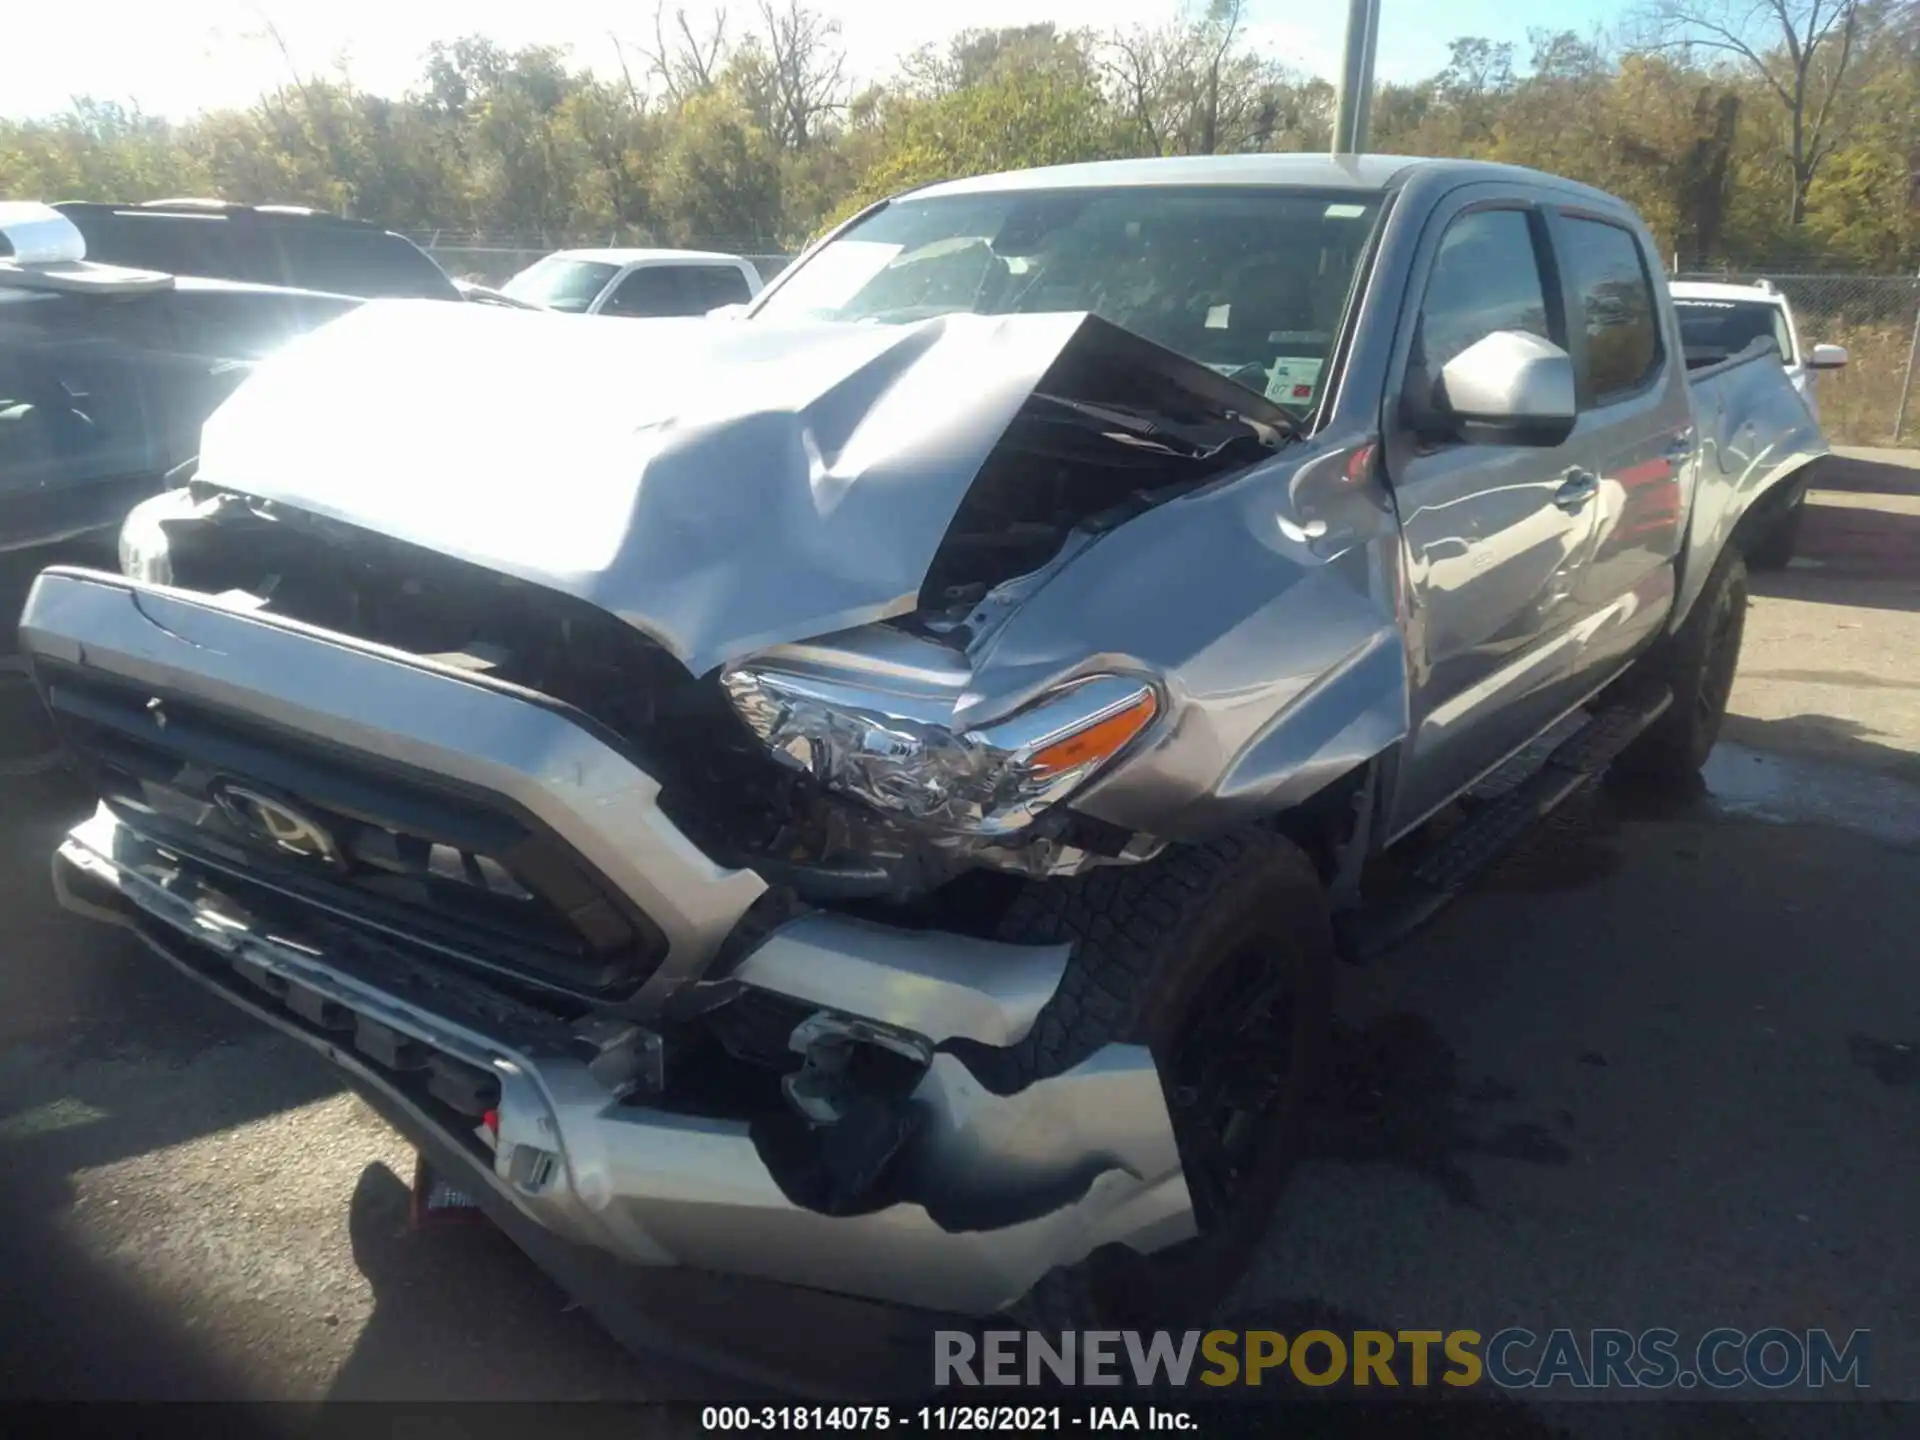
[[1827, 357], [1510, 388]]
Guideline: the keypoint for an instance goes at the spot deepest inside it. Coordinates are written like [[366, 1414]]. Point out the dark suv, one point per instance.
[[104, 387], [265, 244]]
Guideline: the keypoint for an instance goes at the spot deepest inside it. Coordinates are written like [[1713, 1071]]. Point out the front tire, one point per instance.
[[1219, 958], [1697, 662], [1775, 546]]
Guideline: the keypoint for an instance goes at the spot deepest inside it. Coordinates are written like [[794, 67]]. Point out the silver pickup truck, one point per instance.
[[870, 794]]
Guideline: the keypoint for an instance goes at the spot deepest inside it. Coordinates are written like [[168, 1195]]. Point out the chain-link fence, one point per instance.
[[1877, 318]]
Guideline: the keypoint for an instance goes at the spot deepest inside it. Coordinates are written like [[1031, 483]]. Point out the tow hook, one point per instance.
[[857, 1126], [819, 1091]]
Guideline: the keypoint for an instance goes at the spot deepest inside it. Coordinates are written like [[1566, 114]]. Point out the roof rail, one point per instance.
[[202, 205], [38, 234], [46, 252]]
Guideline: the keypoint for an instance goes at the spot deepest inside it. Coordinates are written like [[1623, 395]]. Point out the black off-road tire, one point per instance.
[[1773, 548], [1148, 941], [1697, 662]]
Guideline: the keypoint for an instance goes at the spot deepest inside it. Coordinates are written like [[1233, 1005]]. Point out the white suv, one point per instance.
[[1721, 320], [1718, 321]]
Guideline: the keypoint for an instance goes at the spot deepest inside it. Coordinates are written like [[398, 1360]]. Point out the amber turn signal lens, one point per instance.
[[1103, 738]]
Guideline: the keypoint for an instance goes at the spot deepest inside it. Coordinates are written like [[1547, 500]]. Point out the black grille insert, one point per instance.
[[467, 874]]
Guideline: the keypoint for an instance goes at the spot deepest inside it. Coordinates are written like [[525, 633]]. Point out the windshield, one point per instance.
[[1712, 330], [1249, 282], [559, 283]]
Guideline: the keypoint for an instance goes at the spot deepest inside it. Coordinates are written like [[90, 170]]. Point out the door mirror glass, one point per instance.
[[1827, 357], [1509, 388]]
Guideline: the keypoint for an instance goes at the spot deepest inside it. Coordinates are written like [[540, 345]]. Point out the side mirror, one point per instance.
[[1508, 388], [1827, 357]]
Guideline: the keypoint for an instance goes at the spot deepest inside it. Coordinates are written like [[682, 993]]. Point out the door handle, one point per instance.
[[1580, 487]]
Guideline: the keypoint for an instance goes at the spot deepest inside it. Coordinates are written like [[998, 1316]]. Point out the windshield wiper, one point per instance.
[[1176, 437]]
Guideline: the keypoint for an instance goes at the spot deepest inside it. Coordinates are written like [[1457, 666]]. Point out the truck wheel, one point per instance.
[[1697, 662], [1219, 958], [1775, 545]]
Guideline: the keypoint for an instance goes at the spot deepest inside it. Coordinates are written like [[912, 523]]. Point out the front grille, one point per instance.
[[468, 874]]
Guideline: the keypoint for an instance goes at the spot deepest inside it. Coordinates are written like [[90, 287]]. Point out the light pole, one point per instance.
[[1356, 77]]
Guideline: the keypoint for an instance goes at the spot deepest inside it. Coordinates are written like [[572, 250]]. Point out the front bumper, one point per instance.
[[1091, 1149], [595, 1142]]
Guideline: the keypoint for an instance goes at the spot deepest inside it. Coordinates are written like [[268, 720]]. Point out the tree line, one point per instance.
[[1777, 132]]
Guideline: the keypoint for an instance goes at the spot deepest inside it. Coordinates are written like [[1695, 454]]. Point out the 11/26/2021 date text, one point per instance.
[[940, 1419]]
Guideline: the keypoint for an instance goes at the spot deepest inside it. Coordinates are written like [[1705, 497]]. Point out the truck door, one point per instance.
[[1496, 535], [1634, 436]]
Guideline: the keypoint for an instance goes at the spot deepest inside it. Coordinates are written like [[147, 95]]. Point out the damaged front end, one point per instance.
[[666, 897], [702, 1072]]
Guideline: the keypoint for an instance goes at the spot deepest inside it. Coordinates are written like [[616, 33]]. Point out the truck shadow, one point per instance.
[[1850, 555], [1828, 738], [73, 1330], [453, 1298], [1853, 476]]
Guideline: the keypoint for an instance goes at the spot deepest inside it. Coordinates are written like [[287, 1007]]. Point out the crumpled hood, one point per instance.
[[721, 486]]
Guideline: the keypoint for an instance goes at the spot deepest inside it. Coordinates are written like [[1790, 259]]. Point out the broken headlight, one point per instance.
[[993, 780]]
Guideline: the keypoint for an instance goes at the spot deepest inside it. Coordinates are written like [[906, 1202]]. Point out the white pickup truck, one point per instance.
[[870, 797]]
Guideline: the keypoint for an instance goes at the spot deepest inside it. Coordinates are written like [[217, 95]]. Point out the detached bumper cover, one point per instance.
[[1093, 1146]]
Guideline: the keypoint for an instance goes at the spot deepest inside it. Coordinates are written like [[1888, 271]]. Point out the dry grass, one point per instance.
[[1858, 405]]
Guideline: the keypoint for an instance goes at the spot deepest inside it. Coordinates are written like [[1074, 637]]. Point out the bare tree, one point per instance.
[[804, 71], [636, 98], [1190, 87], [686, 61], [1144, 69], [1798, 49], [1215, 36]]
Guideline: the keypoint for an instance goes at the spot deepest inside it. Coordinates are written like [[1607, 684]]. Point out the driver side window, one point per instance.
[[1486, 277]]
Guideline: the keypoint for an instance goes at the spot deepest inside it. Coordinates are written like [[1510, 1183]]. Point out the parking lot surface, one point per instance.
[[1662, 1068]]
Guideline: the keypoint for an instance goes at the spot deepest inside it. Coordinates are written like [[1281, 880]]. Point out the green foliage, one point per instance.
[[1031, 106], [757, 144]]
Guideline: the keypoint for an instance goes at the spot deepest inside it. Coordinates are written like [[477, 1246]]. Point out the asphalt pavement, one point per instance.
[[1661, 1068]]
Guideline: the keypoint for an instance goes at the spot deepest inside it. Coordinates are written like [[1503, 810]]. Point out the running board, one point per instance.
[[1462, 857]]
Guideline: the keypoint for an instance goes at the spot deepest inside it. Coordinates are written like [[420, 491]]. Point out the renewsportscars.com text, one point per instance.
[[1774, 1358]]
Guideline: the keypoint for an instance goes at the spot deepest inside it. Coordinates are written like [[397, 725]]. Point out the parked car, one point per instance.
[[1717, 321], [871, 796], [635, 282], [284, 245], [107, 373]]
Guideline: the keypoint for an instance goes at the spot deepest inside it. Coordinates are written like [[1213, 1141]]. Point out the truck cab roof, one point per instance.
[[1374, 173]]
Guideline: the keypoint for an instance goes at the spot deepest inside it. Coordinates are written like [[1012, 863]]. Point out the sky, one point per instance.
[[183, 56]]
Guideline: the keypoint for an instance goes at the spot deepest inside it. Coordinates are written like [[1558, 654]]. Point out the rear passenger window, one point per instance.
[[1485, 278], [653, 290], [711, 286], [1623, 338]]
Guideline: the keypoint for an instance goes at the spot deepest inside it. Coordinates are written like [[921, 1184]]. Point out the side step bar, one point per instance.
[[1457, 861]]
